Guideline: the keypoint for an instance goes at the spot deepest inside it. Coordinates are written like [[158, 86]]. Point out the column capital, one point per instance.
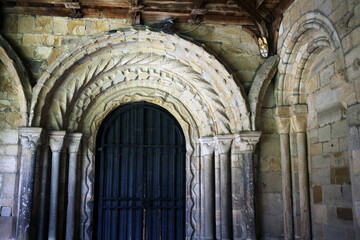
[[246, 141], [56, 139], [73, 142], [30, 137], [207, 145], [223, 143]]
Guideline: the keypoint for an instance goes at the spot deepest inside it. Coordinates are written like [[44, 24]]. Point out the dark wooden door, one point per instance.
[[140, 175]]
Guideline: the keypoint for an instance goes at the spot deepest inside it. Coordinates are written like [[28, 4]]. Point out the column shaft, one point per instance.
[[304, 186], [286, 186], [56, 142], [248, 158], [209, 197], [225, 192], [54, 194], [29, 138], [74, 142], [44, 181]]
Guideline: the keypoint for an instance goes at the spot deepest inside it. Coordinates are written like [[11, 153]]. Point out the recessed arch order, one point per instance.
[[152, 62]]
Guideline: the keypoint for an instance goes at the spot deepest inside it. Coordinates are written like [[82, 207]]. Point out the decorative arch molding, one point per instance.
[[107, 59], [310, 36], [87, 82], [20, 78], [258, 89], [312, 32]]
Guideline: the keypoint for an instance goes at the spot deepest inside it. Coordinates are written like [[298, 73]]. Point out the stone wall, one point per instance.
[[39, 40], [9, 121], [329, 86]]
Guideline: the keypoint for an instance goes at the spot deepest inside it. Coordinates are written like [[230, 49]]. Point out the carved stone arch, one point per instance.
[[163, 51], [259, 86], [311, 33], [20, 78], [105, 71]]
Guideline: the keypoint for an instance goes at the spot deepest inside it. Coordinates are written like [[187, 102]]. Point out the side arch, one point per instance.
[[20, 78], [311, 33]]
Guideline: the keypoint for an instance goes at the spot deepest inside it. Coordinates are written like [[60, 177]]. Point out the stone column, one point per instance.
[[207, 153], [56, 143], [298, 124], [223, 144], [44, 183], [353, 118], [246, 144], [73, 146], [283, 123], [30, 140]]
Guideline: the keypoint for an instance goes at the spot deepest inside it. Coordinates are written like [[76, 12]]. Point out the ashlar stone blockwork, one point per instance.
[[108, 70]]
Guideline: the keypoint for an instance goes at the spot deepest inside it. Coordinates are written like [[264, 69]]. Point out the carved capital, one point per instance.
[[56, 139], [73, 142], [207, 145], [223, 143], [30, 137], [246, 141]]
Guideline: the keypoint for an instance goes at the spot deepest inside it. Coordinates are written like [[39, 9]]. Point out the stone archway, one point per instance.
[[312, 35], [103, 72]]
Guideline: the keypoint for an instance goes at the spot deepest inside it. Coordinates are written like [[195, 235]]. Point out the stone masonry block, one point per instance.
[[325, 134], [5, 211], [77, 27], [8, 164], [317, 194], [60, 25], [331, 146], [334, 233], [320, 213], [321, 162], [339, 129], [43, 24], [340, 175], [94, 27], [32, 40], [26, 24], [344, 213], [6, 226]]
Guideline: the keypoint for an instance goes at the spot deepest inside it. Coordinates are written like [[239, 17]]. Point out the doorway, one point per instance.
[[140, 175]]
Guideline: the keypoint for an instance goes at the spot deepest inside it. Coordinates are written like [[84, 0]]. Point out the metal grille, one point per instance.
[[140, 175]]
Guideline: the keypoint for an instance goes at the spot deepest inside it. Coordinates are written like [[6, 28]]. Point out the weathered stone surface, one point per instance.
[[317, 194], [26, 24], [340, 175], [43, 24], [60, 25], [344, 213], [76, 27]]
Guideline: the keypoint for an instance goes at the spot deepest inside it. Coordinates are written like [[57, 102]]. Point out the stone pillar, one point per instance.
[[43, 182], [29, 139], [223, 144], [73, 146], [283, 123], [207, 153], [246, 144], [353, 118], [56, 143], [298, 124]]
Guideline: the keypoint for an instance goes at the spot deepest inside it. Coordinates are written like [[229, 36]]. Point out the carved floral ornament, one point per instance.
[[30, 138]]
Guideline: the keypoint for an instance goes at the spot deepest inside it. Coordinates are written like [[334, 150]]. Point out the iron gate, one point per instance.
[[140, 175]]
